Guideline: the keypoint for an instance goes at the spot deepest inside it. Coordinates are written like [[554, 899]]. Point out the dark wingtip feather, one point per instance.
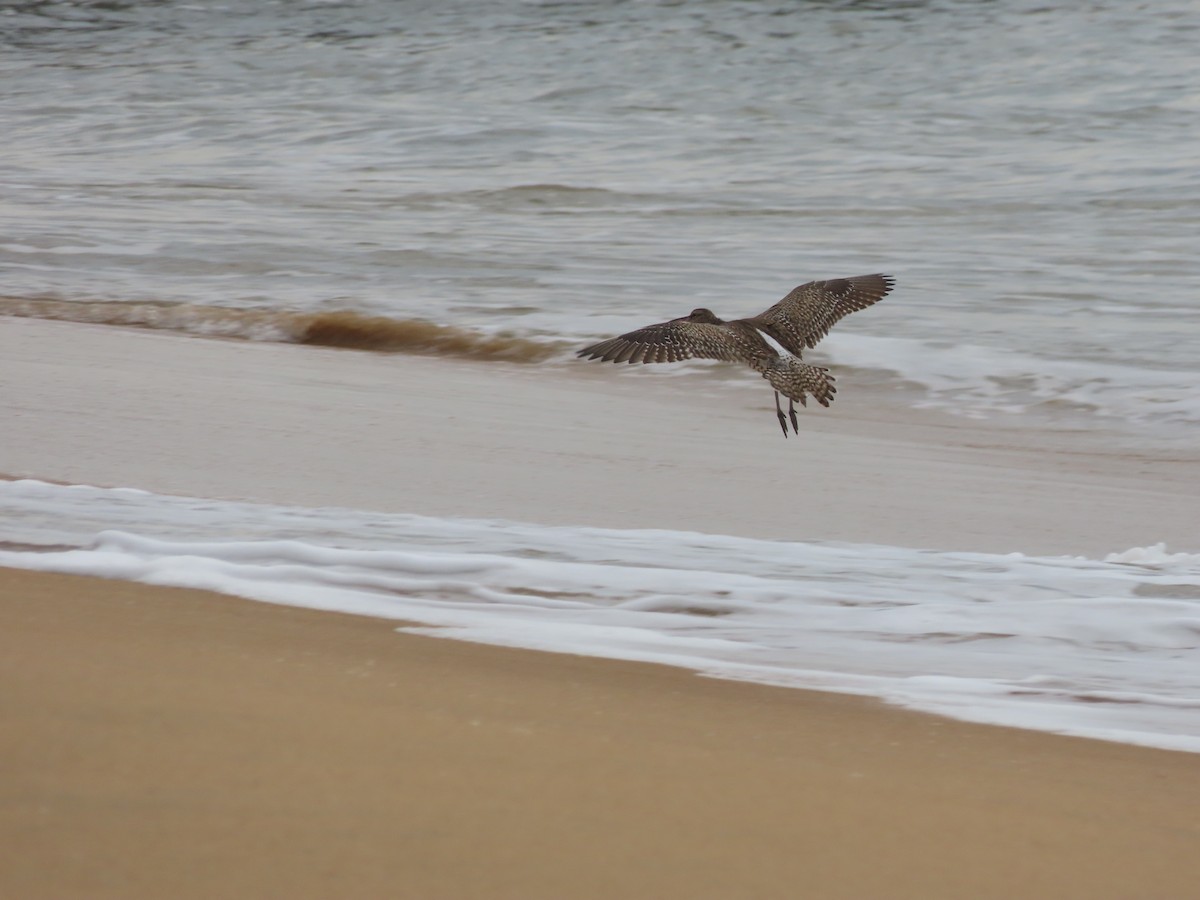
[[605, 351], [594, 351]]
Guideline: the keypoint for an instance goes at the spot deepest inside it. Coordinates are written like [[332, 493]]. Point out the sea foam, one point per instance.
[[980, 382], [1100, 648]]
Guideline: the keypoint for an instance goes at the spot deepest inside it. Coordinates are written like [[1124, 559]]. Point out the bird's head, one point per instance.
[[703, 315]]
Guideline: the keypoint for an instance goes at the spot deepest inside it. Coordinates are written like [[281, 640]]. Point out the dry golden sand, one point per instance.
[[161, 743]]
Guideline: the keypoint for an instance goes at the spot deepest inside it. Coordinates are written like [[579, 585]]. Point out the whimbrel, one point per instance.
[[797, 321]]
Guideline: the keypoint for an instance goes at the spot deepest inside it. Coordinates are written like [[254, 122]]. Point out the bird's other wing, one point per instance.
[[805, 315], [676, 340]]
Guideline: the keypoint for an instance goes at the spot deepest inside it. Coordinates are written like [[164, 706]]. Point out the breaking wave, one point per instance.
[[338, 328], [982, 382]]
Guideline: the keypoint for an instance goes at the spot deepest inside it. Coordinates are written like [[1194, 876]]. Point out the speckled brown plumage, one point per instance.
[[796, 322]]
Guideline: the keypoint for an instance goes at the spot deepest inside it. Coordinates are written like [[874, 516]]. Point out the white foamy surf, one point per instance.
[[981, 382], [1106, 648]]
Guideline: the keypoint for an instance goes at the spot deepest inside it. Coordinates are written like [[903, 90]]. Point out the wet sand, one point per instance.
[[166, 743], [169, 743], [586, 444]]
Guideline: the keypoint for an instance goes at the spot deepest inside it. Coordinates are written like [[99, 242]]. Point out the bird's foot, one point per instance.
[[779, 413]]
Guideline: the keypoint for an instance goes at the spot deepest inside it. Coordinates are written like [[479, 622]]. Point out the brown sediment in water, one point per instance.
[[355, 331], [339, 328]]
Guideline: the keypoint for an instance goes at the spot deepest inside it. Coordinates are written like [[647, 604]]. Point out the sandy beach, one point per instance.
[[168, 743], [163, 742]]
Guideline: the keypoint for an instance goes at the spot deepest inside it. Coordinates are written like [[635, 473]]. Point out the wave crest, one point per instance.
[[341, 328]]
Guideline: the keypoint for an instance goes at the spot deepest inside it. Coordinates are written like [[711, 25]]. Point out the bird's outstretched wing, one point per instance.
[[676, 340], [805, 315]]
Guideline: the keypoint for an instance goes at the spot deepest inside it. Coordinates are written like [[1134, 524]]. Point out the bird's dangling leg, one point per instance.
[[782, 419], [792, 415]]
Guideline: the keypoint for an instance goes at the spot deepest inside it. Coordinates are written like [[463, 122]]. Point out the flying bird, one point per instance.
[[796, 322]]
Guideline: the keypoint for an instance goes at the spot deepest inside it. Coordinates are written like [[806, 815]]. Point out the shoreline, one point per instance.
[[169, 742], [309, 426]]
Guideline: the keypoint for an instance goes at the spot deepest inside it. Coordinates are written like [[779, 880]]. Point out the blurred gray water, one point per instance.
[[1029, 171]]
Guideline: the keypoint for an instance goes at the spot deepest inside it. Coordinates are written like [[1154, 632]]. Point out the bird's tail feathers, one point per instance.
[[795, 379]]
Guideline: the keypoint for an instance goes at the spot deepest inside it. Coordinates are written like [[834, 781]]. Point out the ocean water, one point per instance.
[[1103, 648], [511, 179]]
